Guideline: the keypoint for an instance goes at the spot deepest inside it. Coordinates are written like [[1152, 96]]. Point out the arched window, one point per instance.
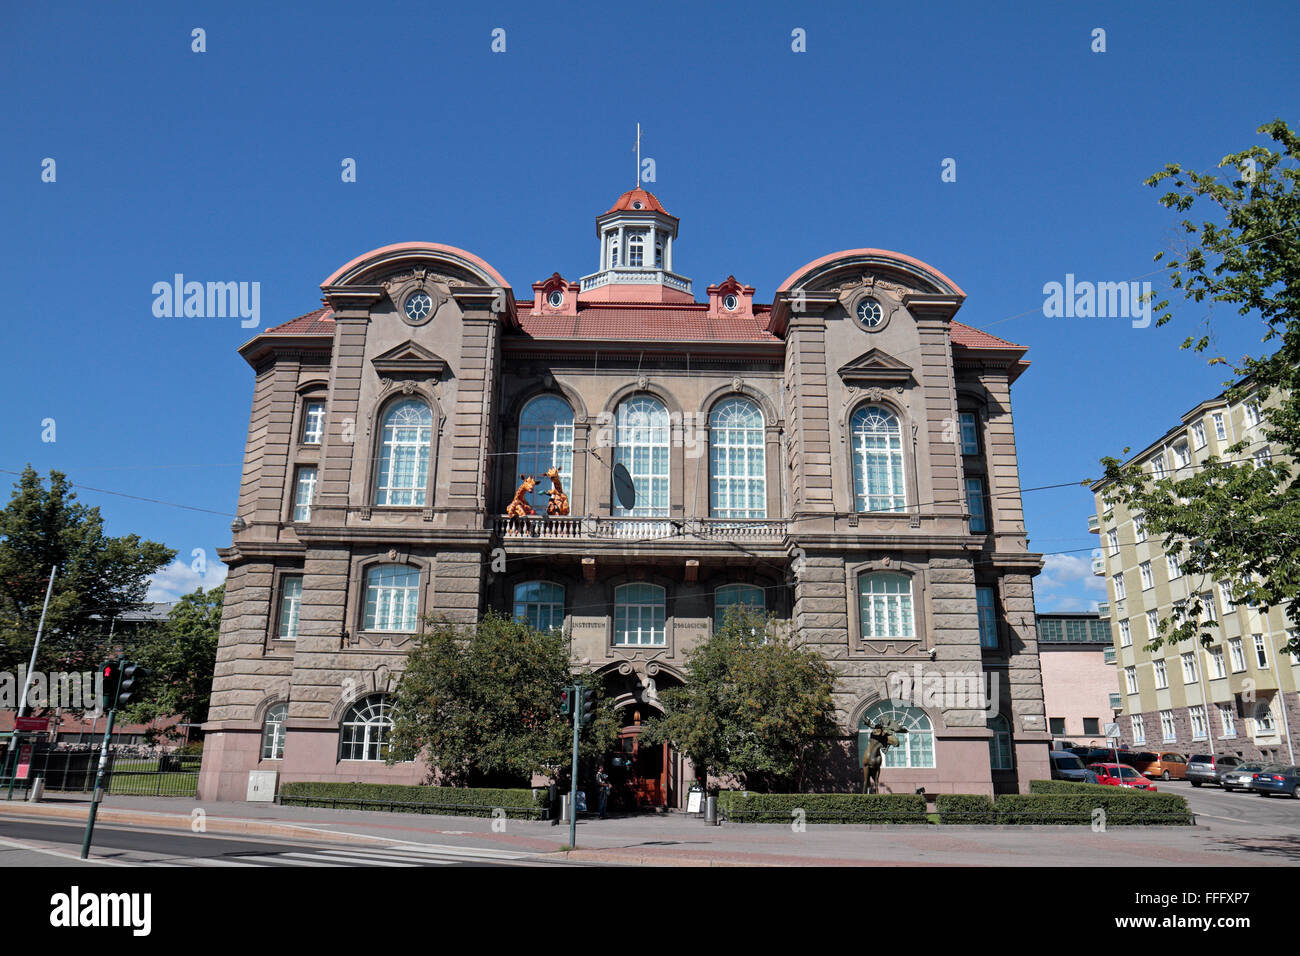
[[737, 461], [540, 604], [642, 436], [1000, 753], [736, 595], [613, 249], [885, 605], [273, 732], [639, 614], [406, 435], [392, 598], [546, 439], [877, 460], [635, 250], [915, 748], [365, 730]]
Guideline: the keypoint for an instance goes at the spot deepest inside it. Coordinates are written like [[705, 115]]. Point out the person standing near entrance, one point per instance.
[[603, 788]]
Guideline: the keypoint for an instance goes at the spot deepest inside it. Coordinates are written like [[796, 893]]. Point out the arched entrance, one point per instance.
[[645, 776]]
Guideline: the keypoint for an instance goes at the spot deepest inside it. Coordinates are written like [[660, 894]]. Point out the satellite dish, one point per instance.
[[624, 489]]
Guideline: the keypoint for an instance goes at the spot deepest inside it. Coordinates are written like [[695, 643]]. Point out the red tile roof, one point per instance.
[[320, 322], [975, 339], [675, 323], [647, 200]]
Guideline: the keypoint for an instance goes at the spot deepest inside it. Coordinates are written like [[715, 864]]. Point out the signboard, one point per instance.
[[29, 724], [24, 761], [695, 801], [1112, 730]]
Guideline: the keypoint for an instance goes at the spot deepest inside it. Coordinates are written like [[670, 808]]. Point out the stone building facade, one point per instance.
[[843, 457]]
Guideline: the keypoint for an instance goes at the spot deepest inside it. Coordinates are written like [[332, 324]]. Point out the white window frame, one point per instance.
[[969, 428], [737, 460], [1218, 667], [876, 434], [304, 492], [1261, 651], [1200, 725], [1148, 580], [1125, 634], [542, 608], [404, 446], [643, 436], [1198, 435], [648, 604], [1161, 673], [1173, 565], [313, 421], [916, 747], [1139, 729], [1182, 455], [290, 607], [366, 729], [881, 600], [1168, 726], [1153, 624], [391, 598], [1112, 541], [1131, 679], [1227, 720], [1236, 655], [1253, 413], [1189, 668], [273, 731], [1118, 581], [1139, 529], [1220, 428]]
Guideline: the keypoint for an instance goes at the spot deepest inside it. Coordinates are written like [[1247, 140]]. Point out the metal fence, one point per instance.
[[126, 773]]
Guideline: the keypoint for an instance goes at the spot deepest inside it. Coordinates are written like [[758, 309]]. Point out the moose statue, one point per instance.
[[884, 734]]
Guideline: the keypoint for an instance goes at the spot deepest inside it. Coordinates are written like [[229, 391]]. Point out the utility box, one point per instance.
[[261, 785]]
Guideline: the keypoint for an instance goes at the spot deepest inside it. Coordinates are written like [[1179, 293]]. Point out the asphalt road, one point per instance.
[[1238, 806], [146, 847]]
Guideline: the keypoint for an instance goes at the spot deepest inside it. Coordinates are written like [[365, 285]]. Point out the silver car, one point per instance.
[[1238, 778]]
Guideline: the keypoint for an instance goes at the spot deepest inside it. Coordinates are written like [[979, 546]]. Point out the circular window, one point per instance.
[[555, 299], [418, 306], [870, 313], [730, 302], [638, 205]]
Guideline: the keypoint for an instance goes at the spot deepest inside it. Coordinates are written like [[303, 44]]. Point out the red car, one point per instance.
[[1121, 775]]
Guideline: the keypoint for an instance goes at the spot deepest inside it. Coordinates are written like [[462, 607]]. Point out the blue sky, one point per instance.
[[225, 166]]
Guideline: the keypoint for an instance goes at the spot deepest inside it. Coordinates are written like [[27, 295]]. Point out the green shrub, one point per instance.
[[965, 808], [1123, 807], [1065, 786], [741, 806], [449, 801]]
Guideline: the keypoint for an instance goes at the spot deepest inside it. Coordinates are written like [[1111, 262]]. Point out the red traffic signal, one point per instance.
[[566, 701]]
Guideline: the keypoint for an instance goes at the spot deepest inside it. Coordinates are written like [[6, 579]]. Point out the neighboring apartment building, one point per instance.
[[1237, 696], [1078, 662], [843, 457]]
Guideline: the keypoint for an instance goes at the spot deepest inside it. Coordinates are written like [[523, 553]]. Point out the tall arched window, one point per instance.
[[546, 439], [877, 460], [737, 460], [915, 748], [1000, 753], [406, 437], [273, 732], [540, 604], [885, 605], [639, 614], [636, 250], [392, 598], [642, 436], [365, 729]]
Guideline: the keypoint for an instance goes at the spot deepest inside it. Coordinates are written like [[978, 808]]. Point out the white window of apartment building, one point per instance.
[[1112, 541], [1118, 579], [1261, 651], [1168, 727], [1139, 729], [1227, 720], [1158, 468], [1220, 429], [1131, 679], [1217, 670], [1237, 655], [1200, 729], [1263, 457], [1148, 581], [1175, 569], [1253, 415], [1162, 674], [1153, 624], [1198, 434], [1264, 725], [1139, 529], [1125, 634], [1189, 668], [1182, 455], [1225, 597]]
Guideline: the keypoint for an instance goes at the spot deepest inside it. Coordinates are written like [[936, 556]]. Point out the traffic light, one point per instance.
[[566, 701], [108, 690], [132, 676], [588, 705]]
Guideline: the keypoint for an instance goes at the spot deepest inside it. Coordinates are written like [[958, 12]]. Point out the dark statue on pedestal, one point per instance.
[[884, 734]]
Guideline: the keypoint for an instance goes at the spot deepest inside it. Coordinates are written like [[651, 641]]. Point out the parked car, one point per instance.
[[1278, 779], [1167, 765], [1207, 768], [1239, 777], [1121, 775], [1067, 766], [1091, 755]]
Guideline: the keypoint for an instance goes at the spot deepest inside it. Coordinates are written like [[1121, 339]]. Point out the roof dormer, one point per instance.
[[636, 254], [731, 298]]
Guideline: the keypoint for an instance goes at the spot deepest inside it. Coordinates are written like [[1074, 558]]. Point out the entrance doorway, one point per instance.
[[640, 773]]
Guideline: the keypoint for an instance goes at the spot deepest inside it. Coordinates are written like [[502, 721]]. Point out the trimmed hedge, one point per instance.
[[1123, 807], [965, 808], [449, 801], [741, 806]]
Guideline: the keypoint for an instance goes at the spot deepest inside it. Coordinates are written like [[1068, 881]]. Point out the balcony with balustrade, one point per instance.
[[542, 533]]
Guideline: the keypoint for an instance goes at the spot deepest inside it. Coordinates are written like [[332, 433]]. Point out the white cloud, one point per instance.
[[179, 578], [1068, 584]]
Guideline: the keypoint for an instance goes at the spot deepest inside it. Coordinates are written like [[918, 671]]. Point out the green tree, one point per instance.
[[98, 577], [754, 705], [181, 655], [1232, 520], [481, 703]]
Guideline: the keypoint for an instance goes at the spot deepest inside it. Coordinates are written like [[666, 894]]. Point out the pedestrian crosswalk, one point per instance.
[[395, 855]]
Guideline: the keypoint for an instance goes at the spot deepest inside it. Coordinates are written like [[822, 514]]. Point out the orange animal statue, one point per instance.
[[559, 504], [519, 506]]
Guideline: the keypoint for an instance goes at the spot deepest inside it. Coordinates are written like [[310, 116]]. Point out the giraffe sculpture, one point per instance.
[[559, 503]]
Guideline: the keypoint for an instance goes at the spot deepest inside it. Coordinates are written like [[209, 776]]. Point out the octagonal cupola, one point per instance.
[[636, 254]]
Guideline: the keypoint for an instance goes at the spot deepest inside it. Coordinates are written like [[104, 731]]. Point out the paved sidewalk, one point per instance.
[[679, 840]]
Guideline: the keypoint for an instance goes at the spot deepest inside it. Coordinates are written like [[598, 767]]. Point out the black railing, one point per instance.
[[126, 773]]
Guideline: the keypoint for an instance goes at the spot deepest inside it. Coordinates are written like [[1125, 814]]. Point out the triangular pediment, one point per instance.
[[875, 366], [408, 360]]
